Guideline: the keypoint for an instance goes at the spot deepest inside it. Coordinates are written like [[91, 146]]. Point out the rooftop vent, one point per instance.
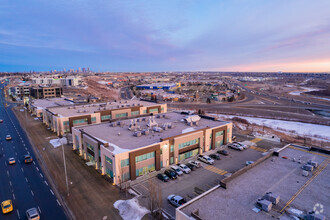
[[158, 129], [152, 122], [145, 131], [273, 198], [137, 134]]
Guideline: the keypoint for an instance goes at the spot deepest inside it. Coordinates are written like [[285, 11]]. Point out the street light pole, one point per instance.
[[66, 175]]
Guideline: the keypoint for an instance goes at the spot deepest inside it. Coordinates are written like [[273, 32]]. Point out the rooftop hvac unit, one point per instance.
[[264, 205], [113, 124], [192, 118], [165, 126], [137, 134], [307, 167], [143, 119], [85, 110], [275, 199], [170, 125], [164, 116], [133, 104], [158, 129], [313, 163], [311, 215], [118, 123], [122, 106], [145, 131], [138, 120], [78, 111], [158, 116]]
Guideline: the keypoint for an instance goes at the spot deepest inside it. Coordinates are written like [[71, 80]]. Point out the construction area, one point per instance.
[[295, 191]]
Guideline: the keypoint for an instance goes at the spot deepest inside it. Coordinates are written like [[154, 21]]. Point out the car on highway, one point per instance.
[[176, 200], [32, 214], [215, 156], [7, 206], [1, 120], [205, 159], [196, 163], [241, 144], [8, 137], [184, 168], [27, 158], [171, 174], [177, 170], [11, 160], [223, 152], [235, 146], [163, 177]]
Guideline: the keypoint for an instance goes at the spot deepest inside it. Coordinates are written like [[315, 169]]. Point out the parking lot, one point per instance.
[[202, 179]]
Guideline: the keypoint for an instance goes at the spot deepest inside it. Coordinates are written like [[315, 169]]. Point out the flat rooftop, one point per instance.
[[89, 108], [51, 102], [280, 176], [122, 139]]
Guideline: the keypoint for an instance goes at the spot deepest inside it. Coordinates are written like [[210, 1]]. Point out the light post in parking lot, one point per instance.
[[64, 162]]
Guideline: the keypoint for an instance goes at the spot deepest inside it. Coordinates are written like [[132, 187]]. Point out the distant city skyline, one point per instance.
[[144, 36]]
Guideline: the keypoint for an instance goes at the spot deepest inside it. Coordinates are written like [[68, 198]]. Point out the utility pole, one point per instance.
[[64, 162]]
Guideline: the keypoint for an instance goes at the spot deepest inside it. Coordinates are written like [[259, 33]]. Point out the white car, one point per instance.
[[240, 144], [236, 146], [176, 200], [184, 168], [32, 214], [205, 159], [177, 170], [195, 163]]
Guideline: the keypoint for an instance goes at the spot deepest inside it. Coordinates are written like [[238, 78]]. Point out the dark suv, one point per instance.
[[27, 158], [171, 174]]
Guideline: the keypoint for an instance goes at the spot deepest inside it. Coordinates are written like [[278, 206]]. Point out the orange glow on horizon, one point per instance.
[[302, 66]]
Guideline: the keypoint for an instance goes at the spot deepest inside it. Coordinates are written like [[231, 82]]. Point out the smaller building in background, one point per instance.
[[42, 92], [61, 119], [156, 86], [38, 106]]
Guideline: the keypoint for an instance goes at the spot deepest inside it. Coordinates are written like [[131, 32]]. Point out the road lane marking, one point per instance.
[[37, 168], [39, 209], [16, 153], [32, 193], [46, 182], [41, 175], [8, 173], [34, 163], [258, 149], [51, 191], [58, 202], [5, 163], [22, 169], [18, 214], [216, 170], [26, 149], [14, 196], [10, 183], [26, 180]]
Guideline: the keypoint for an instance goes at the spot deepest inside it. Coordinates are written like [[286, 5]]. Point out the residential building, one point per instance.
[[164, 86], [63, 81], [127, 149], [61, 119]]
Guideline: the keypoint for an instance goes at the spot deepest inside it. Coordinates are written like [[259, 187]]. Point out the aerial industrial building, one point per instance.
[[127, 149]]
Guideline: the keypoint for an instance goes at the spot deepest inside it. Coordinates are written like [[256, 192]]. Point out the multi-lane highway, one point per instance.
[[24, 184]]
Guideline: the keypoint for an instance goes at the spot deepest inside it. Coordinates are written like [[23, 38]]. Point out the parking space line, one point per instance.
[[215, 170], [256, 140], [258, 149]]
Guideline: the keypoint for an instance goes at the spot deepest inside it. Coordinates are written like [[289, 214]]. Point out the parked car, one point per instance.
[[215, 156], [223, 152], [11, 160], [184, 168], [235, 146], [176, 200], [205, 159], [32, 214], [196, 163], [240, 144], [7, 206], [177, 170], [8, 137], [27, 158], [191, 166], [171, 174], [163, 177]]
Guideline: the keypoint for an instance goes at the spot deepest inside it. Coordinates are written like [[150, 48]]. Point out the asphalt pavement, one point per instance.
[[24, 184]]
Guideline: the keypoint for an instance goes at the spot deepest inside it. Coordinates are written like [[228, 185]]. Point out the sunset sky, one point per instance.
[[181, 35]]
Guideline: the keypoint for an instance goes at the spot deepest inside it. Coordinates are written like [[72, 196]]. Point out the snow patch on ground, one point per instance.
[[305, 89], [249, 143], [187, 130], [58, 142], [130, 209], [302, 129]]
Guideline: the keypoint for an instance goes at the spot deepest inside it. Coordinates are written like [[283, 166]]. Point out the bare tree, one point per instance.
[[155, 201]]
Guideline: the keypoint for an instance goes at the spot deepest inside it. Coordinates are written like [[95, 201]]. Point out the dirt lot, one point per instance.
[[90, 195]]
